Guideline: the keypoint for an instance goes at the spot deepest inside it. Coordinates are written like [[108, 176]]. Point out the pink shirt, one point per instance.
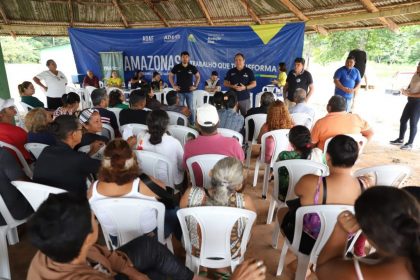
[[213, 144]]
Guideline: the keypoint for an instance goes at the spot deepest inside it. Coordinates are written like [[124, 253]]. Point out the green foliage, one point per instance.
[[26, 49], [381, 45]]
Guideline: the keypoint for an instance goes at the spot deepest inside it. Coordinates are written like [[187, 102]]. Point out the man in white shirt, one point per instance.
[[55, 84], [301, 106]]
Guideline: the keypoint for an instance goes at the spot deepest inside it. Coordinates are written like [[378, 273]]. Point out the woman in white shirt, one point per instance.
[[157, 140], [55, 84]]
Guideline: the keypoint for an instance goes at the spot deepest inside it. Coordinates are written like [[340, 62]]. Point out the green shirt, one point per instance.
[[32, 101], [284, 174], [121, 106]]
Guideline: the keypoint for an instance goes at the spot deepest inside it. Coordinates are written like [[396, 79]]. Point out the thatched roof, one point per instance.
[[53, 17]]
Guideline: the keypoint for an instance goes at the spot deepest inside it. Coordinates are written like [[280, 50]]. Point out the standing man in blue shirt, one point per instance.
[[241, 79], [185, 85], [347, 81]]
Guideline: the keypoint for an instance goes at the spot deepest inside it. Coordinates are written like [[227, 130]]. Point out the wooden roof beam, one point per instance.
[[301, 16], [115, 2], [3, 15], [205, 11], [156, 11], [70, 12], [370, 7], [251, 12], [397, 11]]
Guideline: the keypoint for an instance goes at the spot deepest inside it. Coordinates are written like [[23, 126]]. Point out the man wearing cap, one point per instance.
[[241, 79], [9, 132], [411, 112], [185, 85], [209, 141], [55, 84], [347, 81]]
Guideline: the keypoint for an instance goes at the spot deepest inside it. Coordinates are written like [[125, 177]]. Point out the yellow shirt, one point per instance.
[[114, 82], [282, 79]]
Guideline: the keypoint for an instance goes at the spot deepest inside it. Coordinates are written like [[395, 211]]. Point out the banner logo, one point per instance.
[[171, 38], [148, 39], [191, 38]]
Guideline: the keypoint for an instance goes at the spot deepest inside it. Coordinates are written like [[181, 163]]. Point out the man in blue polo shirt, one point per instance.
[[240, 80], [347, 81], [185, 72]]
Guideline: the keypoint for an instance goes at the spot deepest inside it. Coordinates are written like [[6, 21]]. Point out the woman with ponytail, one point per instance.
[[26, 91], [225, 189], [157, 140], [120, 176], [390, 219], [70, 102], [300, 140]]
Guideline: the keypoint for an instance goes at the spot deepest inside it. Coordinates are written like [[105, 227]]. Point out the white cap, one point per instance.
[[6, 103], [207, 115]]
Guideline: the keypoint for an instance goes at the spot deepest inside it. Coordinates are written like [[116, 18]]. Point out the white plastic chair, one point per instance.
[[216, 225], [35, 148], [135, 127], [152, 164], [116, 112], [99, 155], [109, 89], [164, 93], [272, 88], [175, 117], [232, 134], [128, 226], [26, 107], [182, 133], [36, 193], [22, 160], [258, 97], [328, 216], [259, 120], [296, 168], [108, 131], [206, 163], [302, 119], [387, 175], [359, 138], [200, 97], [8, 230], [281, 140], [70, 89]]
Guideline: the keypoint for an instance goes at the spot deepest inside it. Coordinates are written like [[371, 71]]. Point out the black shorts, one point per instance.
[[288, 227]]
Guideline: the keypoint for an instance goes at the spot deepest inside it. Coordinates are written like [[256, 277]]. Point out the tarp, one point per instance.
[[210, 48]]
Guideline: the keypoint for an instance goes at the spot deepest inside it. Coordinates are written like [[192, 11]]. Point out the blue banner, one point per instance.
[[210, 48]]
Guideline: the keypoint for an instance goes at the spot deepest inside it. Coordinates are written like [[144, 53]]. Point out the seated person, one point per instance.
[[91, 125], [138, 80], [90, 80], [65, 232], [340, 187], [26, 91], [119, 176], [338, 121], [212, 85], [229, 116], [172, 99], [10, 170], [100, 101], [114, 80], [227, 178], [301, 106], [389, 217], [136, 113], [218, 100], [37, 123], [300, 140], [157, 140], [60, 165], [157, 82], [209, 141], [278, 117], [70, 102], [267, 98], [151, 102], [9, 132], [117, 99]]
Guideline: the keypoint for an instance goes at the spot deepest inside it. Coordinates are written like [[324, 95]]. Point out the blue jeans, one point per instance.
[[188, 96]]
